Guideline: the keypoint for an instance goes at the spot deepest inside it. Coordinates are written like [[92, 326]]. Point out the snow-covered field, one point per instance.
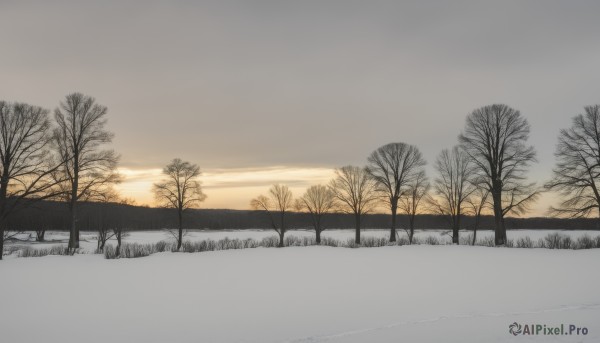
[[302, 294], [88, 239]]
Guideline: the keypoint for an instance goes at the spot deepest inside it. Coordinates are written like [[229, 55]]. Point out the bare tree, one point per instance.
[[453, 186], [410, 202], [180, 190], [276, 205], [317, 200], [495, 137], [394, 166], [355, 191], [78, 138], [577, 173], [119, 224], [27, 167], [477, 203], [104, 218]]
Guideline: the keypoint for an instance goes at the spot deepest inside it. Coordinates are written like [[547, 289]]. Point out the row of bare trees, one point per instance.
[[486, 172], [65, 158], [61, 158]]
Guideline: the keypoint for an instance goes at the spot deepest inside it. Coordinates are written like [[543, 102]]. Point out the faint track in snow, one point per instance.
[[324, 338]]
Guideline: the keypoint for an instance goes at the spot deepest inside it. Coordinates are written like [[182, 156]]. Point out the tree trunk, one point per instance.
[[3, 192], [281, 235], [180, 235], [455, 229], [317, 225], [393, 228], [357, 227], [1, 241], [102, 244], [474, 236], [500, 230], [118, 249], [73, 232], [411, 234], [455, 235]]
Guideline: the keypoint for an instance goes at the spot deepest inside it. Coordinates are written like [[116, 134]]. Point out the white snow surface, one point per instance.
[[302, 294]]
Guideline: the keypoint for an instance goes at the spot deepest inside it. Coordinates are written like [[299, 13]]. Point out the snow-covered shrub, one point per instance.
[[432, 240], [372, 242], [54, 250], [553, 241], [330, 242], [584, 242], [250, 243], [566, 243], [486, 242], [466, 239], [129, 250], [524, 242], [541, 243], [162, 246], [402, 241], [350, 243], [292, 241], [270, 242]]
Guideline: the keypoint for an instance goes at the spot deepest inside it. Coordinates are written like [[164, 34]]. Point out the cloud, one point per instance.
[[227, 188]]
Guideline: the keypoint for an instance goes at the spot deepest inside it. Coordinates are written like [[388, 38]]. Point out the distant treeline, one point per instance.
[[50, 215]]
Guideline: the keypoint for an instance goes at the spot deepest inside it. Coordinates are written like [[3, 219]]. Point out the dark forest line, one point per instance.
[[51, 215]]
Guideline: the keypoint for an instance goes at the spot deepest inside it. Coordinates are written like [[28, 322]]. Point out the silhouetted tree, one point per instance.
[[120, 219], [104, 218], [355, 191], [577, 173], [180, 190], [276, 205], [495, 137], [453, 186], [26, 165], [78, 139], [410, 201], [393, 167], [317, 200]]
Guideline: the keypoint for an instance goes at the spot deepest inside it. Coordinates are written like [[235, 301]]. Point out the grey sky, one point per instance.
[[239, 84]]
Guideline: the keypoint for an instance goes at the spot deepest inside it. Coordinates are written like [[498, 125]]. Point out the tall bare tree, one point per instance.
[[26, 166], [453, 186], [577, 173], [317, 200], [355, 191], [276, 205], [393, 167], [411, 201], [495, 137], [79, 138], [180, 190]]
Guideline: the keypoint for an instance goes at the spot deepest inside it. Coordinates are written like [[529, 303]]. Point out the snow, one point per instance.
[[302, 294], [88, 239]]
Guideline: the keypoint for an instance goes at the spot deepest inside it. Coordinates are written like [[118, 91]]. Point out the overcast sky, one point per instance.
[[253, 89]]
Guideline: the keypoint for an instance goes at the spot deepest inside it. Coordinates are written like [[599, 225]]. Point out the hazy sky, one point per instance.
[[262, 91]]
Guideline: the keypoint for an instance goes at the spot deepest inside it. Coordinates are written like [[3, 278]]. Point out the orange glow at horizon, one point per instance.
[[226, 188]]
